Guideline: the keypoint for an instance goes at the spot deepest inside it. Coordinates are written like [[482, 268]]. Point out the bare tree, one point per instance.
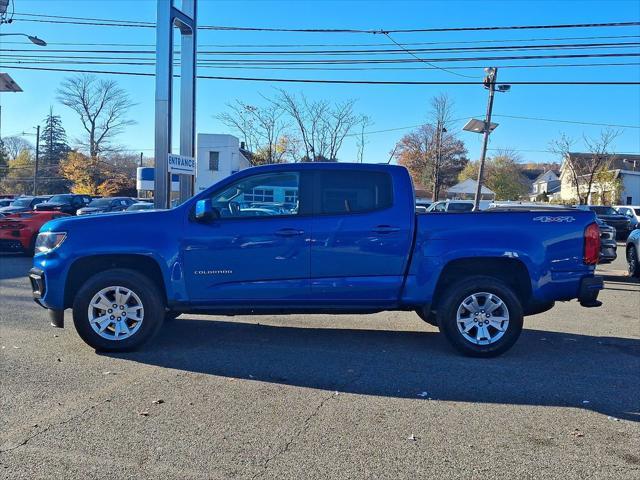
[[262, 129], [585, 168], [322, 127], [364, 123], [102, 107], [433, 155], [14, 145]]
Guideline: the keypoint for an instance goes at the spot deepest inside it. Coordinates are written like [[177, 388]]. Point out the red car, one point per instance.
[[18, 232]]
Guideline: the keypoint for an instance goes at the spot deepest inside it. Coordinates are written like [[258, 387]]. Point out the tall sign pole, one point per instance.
[[168, 17], [490, 83]]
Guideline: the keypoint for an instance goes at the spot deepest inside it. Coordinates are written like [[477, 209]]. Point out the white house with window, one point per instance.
[[217, 157]]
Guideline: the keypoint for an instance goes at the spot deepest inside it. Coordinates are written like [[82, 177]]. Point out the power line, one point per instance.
[[373, 61], [421, 30], [33, 60], [298, 45], [333, 81], [400, 50], [568, 121], [143, 24]]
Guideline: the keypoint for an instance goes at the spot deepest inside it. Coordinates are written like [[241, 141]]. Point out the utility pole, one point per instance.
[[490, 83], [140, 158], [35, 170], [436, 174]]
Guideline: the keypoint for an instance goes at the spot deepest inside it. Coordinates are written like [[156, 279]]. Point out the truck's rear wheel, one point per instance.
[[481, 316], [118, 310]]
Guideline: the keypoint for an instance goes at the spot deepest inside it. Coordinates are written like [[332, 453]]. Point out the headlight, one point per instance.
[[48, 241]]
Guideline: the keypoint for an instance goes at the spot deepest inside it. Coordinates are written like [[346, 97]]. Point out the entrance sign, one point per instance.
[[182, 164]]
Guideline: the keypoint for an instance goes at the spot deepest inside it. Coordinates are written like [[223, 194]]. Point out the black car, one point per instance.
[[68, 203], [610, 216], [23, 204], [608, 244], [106, 205]]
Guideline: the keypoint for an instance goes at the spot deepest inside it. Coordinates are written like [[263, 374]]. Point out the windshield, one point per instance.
[[21, 202], [59, 199], [100, 202], [603, 210]]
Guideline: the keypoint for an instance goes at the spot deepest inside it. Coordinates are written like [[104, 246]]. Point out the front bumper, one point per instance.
[[589, 289], [38, 285]]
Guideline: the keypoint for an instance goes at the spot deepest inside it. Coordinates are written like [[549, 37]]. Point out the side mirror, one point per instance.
[[205, 213]]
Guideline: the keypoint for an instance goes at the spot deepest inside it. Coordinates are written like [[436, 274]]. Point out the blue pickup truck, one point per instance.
[[314, 238]]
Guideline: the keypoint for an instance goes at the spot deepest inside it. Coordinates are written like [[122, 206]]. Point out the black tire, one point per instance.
[[428, 317], [457, 293], [148, 293], [633, 261]]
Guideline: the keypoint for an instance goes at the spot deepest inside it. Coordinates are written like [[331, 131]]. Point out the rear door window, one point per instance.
[[343, 192], [460, 207]]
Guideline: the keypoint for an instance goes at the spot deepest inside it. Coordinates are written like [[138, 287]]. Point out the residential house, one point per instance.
[[545, 186], [620, 184]]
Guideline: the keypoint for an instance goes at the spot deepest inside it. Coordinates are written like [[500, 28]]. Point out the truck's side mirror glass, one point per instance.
[[205, 212]]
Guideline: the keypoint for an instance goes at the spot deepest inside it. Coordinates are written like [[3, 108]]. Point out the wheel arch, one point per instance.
[[85, 267], [511, 271]]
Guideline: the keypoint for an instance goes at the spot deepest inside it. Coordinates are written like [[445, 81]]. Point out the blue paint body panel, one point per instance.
[[383, 259]]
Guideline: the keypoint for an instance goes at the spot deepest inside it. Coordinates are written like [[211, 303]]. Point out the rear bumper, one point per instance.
[[589, 289]]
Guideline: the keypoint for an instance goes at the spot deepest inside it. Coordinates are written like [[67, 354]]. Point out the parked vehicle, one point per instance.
[[456, 206], [140, 206], [68, 203], [23, 204], [608, 243], [420, 202], [18, 231], [5, 202], [106, 205], [611, 217], [633, 253], [352, 244], [632, 212]]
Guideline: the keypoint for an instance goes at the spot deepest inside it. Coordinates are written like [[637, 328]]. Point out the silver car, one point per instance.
[[633, 253]]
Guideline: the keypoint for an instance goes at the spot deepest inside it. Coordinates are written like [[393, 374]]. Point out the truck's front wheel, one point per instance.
[[118, 310], [481, 316]]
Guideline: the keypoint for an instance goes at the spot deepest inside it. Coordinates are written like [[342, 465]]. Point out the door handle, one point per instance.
[[385, 229], [288, 232]]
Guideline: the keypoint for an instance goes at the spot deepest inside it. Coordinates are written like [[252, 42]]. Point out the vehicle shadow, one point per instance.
[[544, 368]]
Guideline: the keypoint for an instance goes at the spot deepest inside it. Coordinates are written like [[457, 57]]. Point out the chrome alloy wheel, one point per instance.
[[482, 318], [115, 313]]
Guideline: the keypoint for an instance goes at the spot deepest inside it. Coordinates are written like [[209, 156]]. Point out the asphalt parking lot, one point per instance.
[[372, 396]]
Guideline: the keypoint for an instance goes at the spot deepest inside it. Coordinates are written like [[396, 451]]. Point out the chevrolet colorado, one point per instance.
[[314, 238]]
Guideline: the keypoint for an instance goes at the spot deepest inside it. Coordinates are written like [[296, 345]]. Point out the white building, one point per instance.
[[622, 185], [548, 183], [217, 157]]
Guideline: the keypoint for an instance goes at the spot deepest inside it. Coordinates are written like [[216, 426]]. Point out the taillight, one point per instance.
[[591, 244]]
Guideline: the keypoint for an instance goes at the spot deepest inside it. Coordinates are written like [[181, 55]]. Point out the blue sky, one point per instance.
[[389, 107]]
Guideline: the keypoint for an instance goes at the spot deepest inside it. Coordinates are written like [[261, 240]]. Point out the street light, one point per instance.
[[33, 39], [485, 127]]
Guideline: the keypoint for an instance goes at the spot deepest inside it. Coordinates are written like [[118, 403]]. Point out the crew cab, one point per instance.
[[344, 238]]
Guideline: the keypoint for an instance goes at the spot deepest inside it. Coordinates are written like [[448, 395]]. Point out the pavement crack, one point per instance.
[[305, 426], [53, 425]]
